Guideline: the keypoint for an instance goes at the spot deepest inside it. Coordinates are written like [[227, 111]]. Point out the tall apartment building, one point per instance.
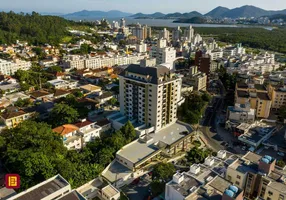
[[10, 67], [149, 95], [80, 62], [189, 34], [176, 34], [196, 79], [203, 61], [278, 96], [164, 34], [163, 54], [141, 32], [257, 95], [122, 23]]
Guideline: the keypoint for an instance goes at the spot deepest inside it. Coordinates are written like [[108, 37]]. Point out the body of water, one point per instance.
[[169, 23]]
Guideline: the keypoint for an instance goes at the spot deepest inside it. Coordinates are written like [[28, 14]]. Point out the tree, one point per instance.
[[62, 114], [54, 69], [281, 163], [196, 155], [206, 97], [77, 93], [163, 171], [282, 113], [22, 102], [129, 132], [113, 101]]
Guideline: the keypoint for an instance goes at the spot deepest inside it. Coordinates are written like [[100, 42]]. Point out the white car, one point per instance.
[[280, 153]]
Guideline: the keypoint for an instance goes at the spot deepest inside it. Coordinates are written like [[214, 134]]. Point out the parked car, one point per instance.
[[243, 148]]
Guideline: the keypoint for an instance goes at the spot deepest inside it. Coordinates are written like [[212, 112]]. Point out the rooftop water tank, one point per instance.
[[268, 158], [229, 193], [233, 188], [265, 160]]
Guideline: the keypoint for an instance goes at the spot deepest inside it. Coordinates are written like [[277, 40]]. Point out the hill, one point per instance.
[[33, 28], [217, 12], [244, 11], [193, 20], [178, 15], [85, 14], [154, 15]]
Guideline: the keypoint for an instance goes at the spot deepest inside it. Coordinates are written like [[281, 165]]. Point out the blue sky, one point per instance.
[[134, 6]]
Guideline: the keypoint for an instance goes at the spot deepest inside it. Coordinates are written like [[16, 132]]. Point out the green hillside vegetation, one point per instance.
[[34, 28], [193, 20], [260, 38]]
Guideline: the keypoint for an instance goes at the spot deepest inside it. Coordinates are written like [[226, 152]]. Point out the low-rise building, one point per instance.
[[63, 84], [53, 188], [257, 133], [99, 188], [241, 113], [71, 139], [12, 116], [257, 95], [10, 67], [88, 130], [88, 89], [205, 181]]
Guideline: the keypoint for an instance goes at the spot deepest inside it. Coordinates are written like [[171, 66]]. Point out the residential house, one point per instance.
[[71, 139], [88, 130], [60, 93], [12, 116], [41, 95]]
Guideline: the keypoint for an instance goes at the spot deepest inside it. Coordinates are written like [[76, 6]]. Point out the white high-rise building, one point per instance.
[[163, 54], [122, 23], [189, 33], [115, 25], [141, 48], [149, 95], [164, 34]]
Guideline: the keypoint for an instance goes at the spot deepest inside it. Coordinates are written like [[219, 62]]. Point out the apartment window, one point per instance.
[[270, 193], [281, 197], [237, 183], [238, 177], [268, 198], [150, 95]]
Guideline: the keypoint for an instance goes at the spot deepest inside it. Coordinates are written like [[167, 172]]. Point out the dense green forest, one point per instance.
[[261, 38], [34, 28], [36, 153]]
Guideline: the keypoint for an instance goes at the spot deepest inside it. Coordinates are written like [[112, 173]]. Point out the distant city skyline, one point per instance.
[[133, 6]]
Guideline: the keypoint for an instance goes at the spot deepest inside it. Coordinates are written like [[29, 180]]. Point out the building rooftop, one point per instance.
[[110, 191], [73, 195], [61, 92], [242, 94], [138, 150], [40, 93], [91, 88], [13, 112], [260, 87], [43, 189], [242, 85], [116, 171], [103, 122], [153, 73], [187, 186], [263, 96], [83, 123], [65, 129]]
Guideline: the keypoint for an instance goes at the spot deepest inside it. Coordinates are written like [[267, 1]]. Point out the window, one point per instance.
[[238, 177], [281, 197], [270, 193], [237, 183]]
